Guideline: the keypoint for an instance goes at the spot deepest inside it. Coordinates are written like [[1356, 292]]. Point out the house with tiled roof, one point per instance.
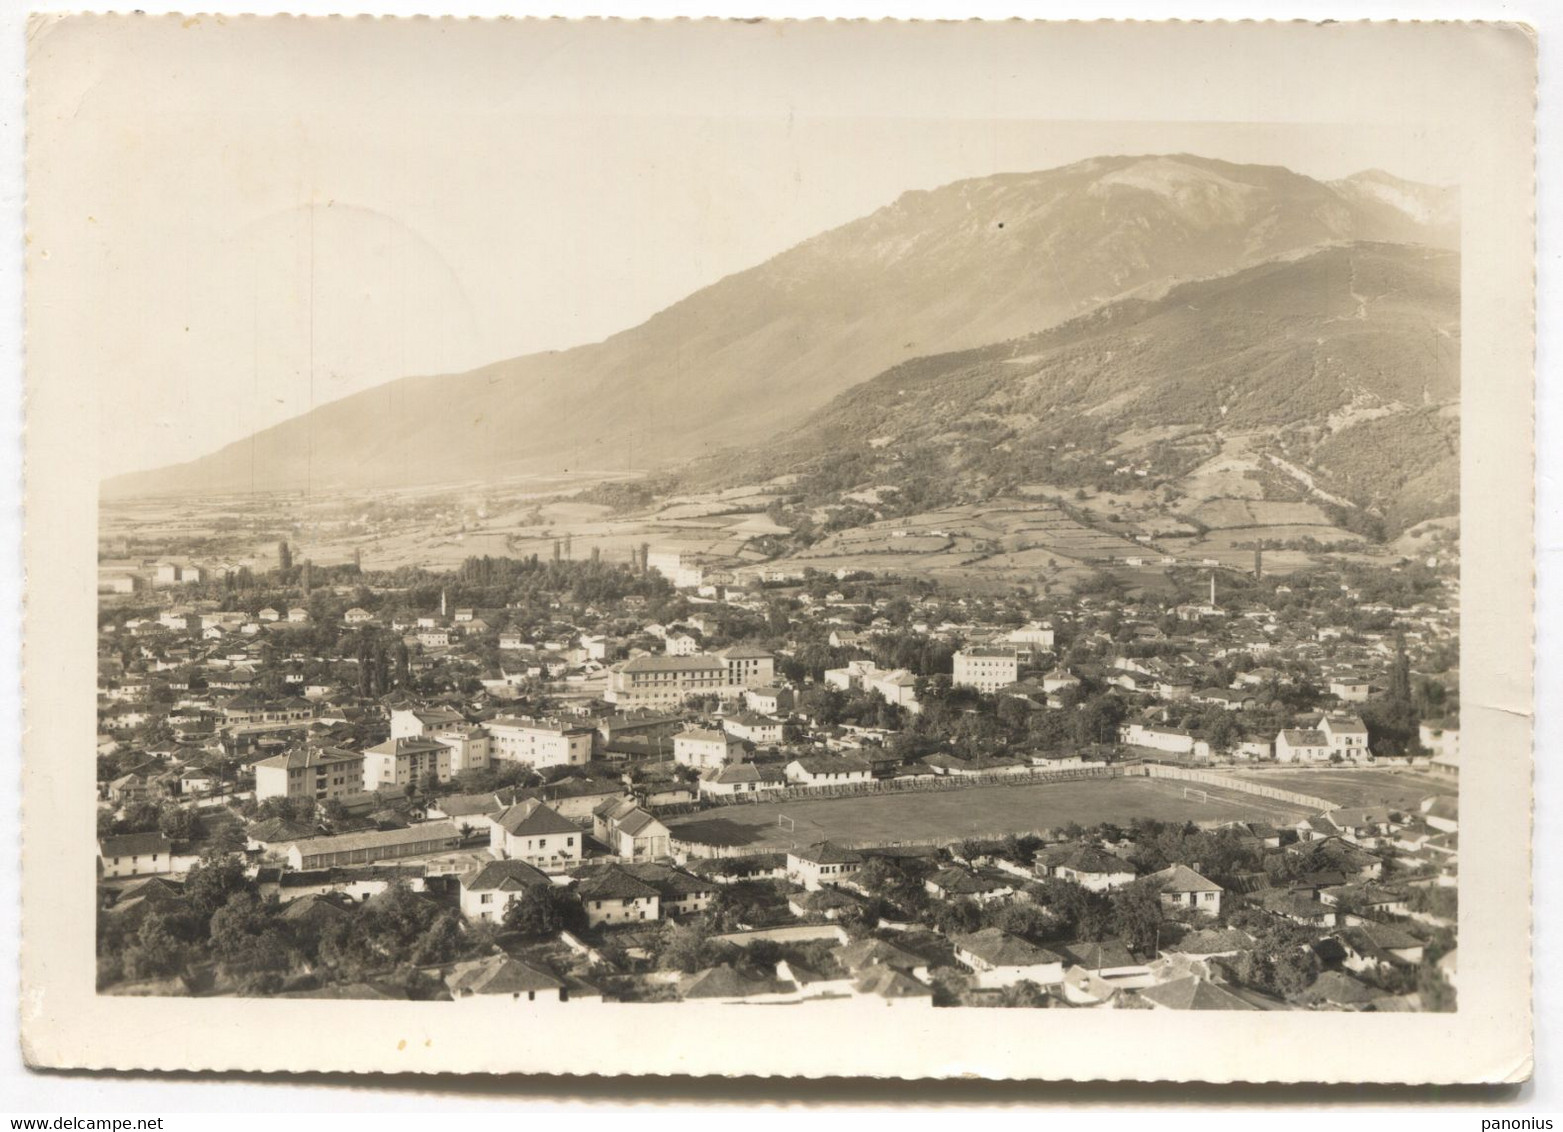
[[1368, 826], [1083, 987], [423, 722], [1298, 907], [998, 959], [1089, 866], [893, 988], [829, 770], [488, 891], [1340, 857], [614, 895], [866, 954], [578, 798], [822, 863], [812, 984], [740, 778], [723, 984], [478, 809], [1371, 947], [1301, 745], [534, 832], [751, 726], [135, 854], [1108, 959], [1339, 991], [1193, 993], [704, 748], [198, 780], [1346, 735], [503, 976], [140, 897], [129, 788], [957, 883], [679, 892], [1368, 899], [630, 831], [276, 831], [731, 870], [316, 910], [769, 700], [1182, 888], [1211, 943], [831, 903]]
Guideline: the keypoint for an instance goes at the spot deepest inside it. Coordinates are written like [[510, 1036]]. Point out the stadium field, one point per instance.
[[976, 812], [1347, 786]]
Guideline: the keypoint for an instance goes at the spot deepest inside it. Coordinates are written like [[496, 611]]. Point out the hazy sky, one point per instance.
[[253, 217]]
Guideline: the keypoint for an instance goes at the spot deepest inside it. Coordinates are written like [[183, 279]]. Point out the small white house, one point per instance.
[[999, 959], [136, 854], [815, 866]]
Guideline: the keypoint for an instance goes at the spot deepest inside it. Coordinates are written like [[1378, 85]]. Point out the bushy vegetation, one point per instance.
[[221, 929]]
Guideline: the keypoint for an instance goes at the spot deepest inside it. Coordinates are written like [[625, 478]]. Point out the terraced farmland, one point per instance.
[[962, 538]]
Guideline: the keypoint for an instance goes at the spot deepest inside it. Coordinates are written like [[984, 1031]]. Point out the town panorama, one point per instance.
[[1113, 666]]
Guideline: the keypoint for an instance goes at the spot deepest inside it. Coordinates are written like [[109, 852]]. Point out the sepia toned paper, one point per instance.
[[132, 128]]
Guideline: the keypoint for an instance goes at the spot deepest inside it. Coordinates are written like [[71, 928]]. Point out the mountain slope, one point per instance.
[[1403, 211], [1343, 362], [972, 262]]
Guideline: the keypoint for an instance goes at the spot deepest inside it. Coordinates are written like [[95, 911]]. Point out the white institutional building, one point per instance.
[[986, 668]]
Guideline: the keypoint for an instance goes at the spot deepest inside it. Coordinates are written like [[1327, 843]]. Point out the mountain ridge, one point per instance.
[[973, 262], [1345, 359]]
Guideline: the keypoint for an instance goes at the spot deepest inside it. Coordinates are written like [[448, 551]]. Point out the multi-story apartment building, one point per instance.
[[748, 667], [471, 746], [322, 774], [398, 762], [539, 742]]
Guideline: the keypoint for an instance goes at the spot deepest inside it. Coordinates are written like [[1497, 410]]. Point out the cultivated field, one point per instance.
[[979, 811], [1005, 537], [1371, 786], [1250, 513]]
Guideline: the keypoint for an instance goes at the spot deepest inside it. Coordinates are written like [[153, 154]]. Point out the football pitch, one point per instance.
[[1351, 786], [979, 811]]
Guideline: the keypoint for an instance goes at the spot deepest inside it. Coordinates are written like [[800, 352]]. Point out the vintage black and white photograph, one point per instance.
[[593, 539]]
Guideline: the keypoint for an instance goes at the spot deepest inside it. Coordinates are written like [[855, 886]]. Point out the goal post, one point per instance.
[[1195, 792], [786, 823]]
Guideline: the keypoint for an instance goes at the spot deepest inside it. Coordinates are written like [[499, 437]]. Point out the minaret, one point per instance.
[[1212, 589], [442, 603]]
